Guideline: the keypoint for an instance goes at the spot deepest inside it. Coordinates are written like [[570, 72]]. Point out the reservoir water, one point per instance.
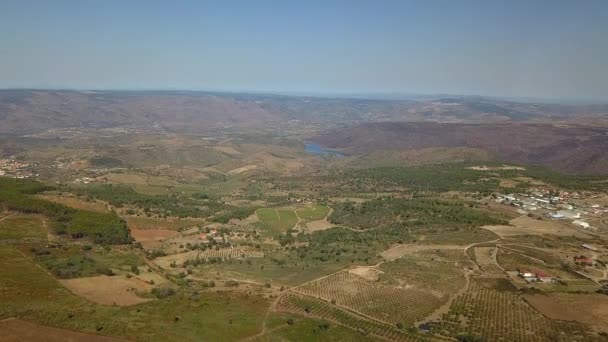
[[318, 150]]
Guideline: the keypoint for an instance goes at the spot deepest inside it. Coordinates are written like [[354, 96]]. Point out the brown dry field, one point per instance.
[[367, 273], [525, 225], [313, 226], [152, 238], [114, 290], [590, 309], [136, 222], [16, 330], [397, 251], [242, 169], [228, 150]]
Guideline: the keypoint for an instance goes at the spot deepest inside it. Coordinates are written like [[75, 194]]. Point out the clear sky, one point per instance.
[[531, 48]]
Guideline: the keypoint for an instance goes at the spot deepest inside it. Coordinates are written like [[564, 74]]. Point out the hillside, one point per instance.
[[33, 111], [568, 148]]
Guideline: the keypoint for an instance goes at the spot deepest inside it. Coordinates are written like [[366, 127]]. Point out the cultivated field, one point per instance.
[[278, 220], [31, 294], [313, 213], [525, 225], [386, 303], [504, 316], [135, 222], [221, 254], [16, 330], [114, 290], [590, 309], [20, 226], [152, 238], [486, 259], [311, 307]]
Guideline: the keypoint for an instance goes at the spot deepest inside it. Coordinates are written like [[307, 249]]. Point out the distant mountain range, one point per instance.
[[26, 111]]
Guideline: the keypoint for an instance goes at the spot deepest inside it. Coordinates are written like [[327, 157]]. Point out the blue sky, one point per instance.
[[551, 49]]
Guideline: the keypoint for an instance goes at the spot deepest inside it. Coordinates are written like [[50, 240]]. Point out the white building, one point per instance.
[[581, 223]]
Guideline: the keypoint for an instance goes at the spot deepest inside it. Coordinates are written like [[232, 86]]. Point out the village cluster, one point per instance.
[[11, 167], [557, 205]]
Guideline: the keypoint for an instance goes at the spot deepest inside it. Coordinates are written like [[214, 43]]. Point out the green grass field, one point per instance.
[[31, 294], [316, 212], [307, 329], [278, 220], [21, 226]]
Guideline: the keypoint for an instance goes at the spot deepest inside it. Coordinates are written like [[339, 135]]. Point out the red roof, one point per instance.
[[203, 236], [542, 274]]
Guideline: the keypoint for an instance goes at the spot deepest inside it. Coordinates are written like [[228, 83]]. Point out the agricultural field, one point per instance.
[[109, 290], [485, 257], [589, 309], [438, 270], [290, 327], [144, 223], [277, 220], [504, 316], [262, 242], [390, 304], [31, 294], [311, 307], [16, 330], [19, 226], [208, 255], [313, 213], [76, 202]]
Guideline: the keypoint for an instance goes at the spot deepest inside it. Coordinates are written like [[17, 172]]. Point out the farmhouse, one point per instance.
[[527, 275], [535, 276], [543, 277], [583, 260]]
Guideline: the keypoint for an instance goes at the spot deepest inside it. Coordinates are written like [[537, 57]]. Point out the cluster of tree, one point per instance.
[[238, 213], [105, 228], [180, 205], [572, 182], [417, 211], [437, 178]]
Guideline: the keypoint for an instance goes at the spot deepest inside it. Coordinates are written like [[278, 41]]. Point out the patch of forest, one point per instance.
[[104, 228]]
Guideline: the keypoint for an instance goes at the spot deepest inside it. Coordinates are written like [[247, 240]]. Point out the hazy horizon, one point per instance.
[[546, 50]]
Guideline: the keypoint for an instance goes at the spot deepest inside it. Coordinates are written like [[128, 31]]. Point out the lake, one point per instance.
[[318, 150]]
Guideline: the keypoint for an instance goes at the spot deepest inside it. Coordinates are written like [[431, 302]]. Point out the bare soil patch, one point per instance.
[[136, 222], [367, 273], [590, 309], [152, 238], [314, 226], [242, 169], [115, 290], [397, 251], [16, 330], [525, 225], [228, 150]]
